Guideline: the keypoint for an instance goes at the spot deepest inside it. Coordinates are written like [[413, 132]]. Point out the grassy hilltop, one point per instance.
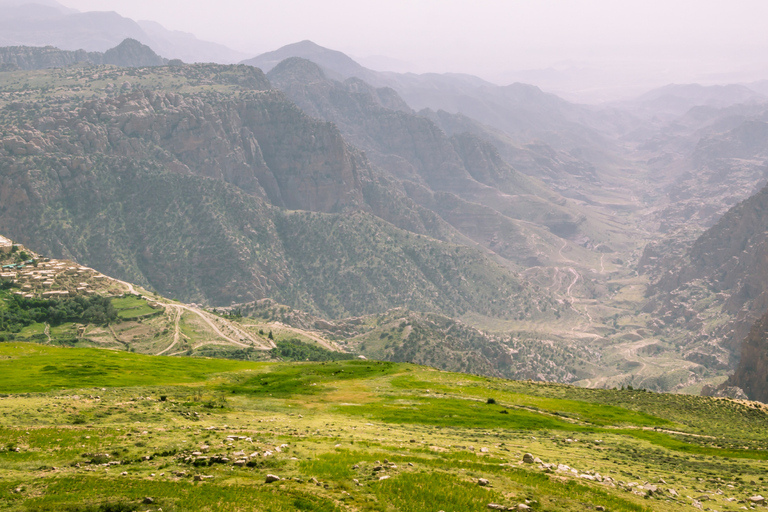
[[86, 429]]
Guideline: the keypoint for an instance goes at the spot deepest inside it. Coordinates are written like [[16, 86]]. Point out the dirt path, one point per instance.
[[602, 267], [238, 332], [131, 289], [47, 331], [576, 277], [176, 331]]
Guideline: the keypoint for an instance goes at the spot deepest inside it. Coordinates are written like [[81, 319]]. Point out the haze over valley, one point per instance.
[[582, 250]]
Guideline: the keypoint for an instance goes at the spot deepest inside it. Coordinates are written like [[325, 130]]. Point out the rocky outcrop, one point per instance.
[[751, 375], [729, 261], [129, 53], [132, 54]]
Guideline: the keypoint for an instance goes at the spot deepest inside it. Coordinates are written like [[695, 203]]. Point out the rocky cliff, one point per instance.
[[203, 183], [752, 373], [129, 53], [413, 149]]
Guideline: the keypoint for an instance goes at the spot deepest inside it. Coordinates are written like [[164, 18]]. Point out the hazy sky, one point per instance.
[[676, 40]]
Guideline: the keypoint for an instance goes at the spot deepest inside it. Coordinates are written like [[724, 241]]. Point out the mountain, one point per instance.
[[35, 23], [718, 288], [196, 193], [752, 372], [336, 63], [462, 178], [518, 109], [674, 100], [129, 53]]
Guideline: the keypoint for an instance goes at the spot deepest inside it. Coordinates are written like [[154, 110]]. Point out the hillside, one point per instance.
[[213, 164], [150, 433], [752, 372], [469, 185]]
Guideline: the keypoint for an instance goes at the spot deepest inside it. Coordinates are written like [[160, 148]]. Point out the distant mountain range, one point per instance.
[[48, 23]]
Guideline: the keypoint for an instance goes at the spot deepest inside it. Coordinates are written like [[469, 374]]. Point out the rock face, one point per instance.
[[462, 178], [129, 53], [228, 193], [708, 294], [752, 373]]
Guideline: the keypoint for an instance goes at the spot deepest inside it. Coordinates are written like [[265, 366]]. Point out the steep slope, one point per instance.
[[571, 146], [414, 149], [752, 372], [719, 287], [183, 192]]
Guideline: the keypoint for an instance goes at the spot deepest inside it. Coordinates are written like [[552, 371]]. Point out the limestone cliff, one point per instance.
[[752, 372]]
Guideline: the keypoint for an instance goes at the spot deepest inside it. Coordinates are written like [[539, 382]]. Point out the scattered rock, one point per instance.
[[600, 508], [757, 500], [523, 506], [272, 478], [673, 492], [148, 500], [528, 458], [496, 506], [383, 477], [482, 482]]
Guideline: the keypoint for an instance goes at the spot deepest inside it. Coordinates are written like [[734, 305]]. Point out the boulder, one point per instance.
[[482, 482], [272, 478], [528, 458], [757, 500], [496, 506]]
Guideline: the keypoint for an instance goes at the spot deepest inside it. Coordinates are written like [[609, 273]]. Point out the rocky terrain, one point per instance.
[[330, 193], [194, 194], [129, 53], [752, 373]]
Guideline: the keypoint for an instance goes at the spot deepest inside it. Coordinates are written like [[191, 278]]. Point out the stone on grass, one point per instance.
[[600, 508], [528, 458], [523, 506], [482, 482], [757, 499], [148, 500], [383, 477], [496, 506], [272, 478]]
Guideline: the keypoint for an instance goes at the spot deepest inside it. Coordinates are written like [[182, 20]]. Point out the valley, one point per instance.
[[532, 239], [295, 283]]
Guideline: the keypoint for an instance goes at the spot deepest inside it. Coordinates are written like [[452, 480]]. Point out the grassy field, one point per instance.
[[100, 430]]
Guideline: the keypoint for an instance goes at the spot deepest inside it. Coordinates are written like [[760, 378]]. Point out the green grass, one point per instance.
[[131, 307], [432, 432], [308, 378], [595, 414], [33, 368], [457, 413], [172, 496]]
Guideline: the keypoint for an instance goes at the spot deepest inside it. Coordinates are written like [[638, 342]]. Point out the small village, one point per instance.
[[33, 277]]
